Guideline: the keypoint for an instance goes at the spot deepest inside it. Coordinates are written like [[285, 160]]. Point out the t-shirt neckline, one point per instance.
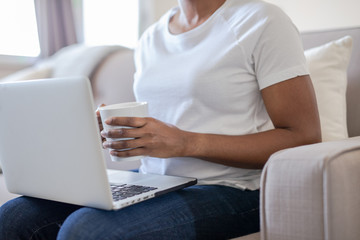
[[195, 31]]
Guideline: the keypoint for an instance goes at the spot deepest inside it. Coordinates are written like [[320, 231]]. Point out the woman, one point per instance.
[[227, 86]]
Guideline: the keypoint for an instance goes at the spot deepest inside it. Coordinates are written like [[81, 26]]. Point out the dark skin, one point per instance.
[[290, 104]]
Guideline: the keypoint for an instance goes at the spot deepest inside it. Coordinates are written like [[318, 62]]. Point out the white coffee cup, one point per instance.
[[127, 109]]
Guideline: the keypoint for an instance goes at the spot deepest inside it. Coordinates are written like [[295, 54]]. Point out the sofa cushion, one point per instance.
[[328, 65], [80, 59], [36, 72]]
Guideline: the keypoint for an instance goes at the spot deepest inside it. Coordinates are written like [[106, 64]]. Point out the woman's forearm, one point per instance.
[[247, 151]]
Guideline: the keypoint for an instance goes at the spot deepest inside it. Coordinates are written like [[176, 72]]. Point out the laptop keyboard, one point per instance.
[[123, 191]]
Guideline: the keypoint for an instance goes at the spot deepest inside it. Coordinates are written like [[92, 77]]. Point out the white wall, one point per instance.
[[163, 5], [321, 14], [152, 10]]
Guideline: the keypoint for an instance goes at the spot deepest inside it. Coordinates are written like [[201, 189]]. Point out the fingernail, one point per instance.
[[102, 133]]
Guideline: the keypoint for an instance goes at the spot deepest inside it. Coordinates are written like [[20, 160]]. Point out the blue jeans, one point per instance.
[[197, 212]]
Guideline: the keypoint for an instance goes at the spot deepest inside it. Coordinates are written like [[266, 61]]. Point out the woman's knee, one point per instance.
[[14, 217], [25, 217], [82, 224]]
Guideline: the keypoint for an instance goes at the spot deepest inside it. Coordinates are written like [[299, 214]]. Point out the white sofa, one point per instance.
[[309, 192]]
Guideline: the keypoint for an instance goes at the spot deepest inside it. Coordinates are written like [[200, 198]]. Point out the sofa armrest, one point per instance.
[[312, 192]]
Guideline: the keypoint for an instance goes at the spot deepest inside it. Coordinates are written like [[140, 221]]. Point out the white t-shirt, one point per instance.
[[208, 80]]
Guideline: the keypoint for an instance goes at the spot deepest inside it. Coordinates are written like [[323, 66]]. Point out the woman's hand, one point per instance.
[[97, 112], [151, 137]]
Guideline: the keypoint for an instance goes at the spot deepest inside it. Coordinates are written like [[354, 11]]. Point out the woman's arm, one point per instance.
[[291, 106]]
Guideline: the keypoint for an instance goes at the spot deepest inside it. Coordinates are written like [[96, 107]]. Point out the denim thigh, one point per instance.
[[26, 218], [198, 212]]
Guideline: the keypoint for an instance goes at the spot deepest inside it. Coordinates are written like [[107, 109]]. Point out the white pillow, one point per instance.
[[328, 65]]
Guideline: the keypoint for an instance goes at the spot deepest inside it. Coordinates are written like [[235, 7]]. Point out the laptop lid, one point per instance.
[[49, 141], [50, 146]]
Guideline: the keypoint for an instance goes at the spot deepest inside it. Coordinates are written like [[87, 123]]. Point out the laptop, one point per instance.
[[50, 148]]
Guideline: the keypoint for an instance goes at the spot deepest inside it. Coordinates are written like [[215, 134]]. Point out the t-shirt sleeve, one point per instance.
[[278, 54]]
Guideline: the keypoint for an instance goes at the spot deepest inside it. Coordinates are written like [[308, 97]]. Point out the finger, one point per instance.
[[121, 133], [128, 153], [100, 125], [99, 120], [123, 144], [103, 140], [127, 121], [97, 111]]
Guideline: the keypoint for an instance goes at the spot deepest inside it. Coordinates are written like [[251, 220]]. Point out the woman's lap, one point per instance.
[[32, 218], [198, 212]]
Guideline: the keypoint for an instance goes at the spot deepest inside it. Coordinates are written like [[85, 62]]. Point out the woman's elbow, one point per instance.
[[311, 135]]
